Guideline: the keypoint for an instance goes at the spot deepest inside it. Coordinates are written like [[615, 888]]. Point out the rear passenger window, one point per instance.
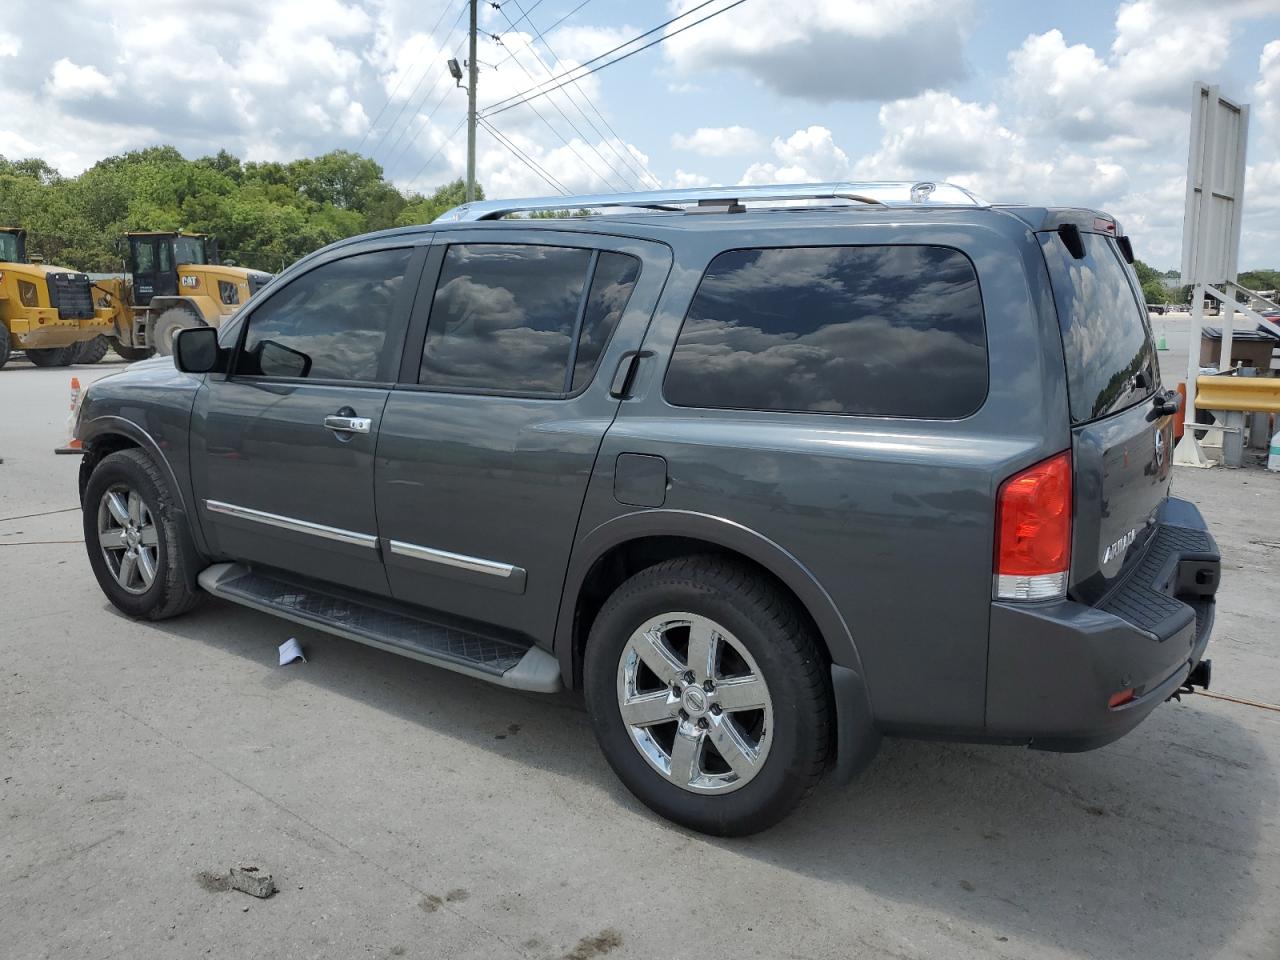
[[894, 331], [513, 318]]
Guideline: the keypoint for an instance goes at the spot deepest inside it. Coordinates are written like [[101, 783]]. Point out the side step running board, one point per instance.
[[488, 658]]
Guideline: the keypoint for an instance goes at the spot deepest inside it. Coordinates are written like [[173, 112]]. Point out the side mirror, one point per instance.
[[196, 350]]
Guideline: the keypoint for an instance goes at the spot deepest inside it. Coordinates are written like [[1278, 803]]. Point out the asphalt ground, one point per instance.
[[405, 811]]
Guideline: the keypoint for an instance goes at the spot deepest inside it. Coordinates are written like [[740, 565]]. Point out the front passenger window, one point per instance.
[[331, 323]]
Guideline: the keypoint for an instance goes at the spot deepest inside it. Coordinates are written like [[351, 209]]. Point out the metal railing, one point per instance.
[[925, 193]]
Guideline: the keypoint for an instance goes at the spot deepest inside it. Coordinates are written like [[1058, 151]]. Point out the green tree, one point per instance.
[[264, 215]]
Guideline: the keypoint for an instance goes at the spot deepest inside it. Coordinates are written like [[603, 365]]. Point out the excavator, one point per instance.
[[47, 312], [174, 280]]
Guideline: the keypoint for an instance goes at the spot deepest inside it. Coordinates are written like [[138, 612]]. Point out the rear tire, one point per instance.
[[132, 354], [53, 356], [747, 738], [138, 543], [91, 351], [167, 326], [6, 345]]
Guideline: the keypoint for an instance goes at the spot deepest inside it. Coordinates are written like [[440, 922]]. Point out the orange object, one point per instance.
[[1179, 422]]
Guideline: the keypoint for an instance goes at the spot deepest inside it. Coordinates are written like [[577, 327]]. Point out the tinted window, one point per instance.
[[503, 317], [166, 257], [611, 287], [190, 249], [331, 323], [881, 331], [1105, 338]]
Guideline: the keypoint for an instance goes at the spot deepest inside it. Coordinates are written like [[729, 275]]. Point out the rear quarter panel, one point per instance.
[[891, 518]]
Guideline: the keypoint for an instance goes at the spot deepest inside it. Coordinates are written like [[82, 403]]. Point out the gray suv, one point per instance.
[[766, 472]]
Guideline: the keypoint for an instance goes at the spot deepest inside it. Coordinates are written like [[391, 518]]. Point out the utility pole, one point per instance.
[[471, 109]]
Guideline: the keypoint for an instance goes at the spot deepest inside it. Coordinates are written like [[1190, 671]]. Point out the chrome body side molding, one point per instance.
[[292, 523]]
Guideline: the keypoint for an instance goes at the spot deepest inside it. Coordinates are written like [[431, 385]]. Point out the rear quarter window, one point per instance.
[[1107, 345], [894, 331]]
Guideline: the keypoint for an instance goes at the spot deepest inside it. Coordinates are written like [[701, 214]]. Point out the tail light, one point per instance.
[[1033, 531]]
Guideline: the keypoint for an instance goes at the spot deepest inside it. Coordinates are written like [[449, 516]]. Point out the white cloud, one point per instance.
[[682, 179], [70, 81], [10, 44], [808, 154], [831, 50], [718, 141]]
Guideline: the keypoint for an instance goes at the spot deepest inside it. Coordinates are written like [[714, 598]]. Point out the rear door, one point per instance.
[[283, 447], [1122, 456], [489, 440]]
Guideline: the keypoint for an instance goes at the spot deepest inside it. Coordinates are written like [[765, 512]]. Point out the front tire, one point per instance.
[[139, 546], [132, 354], [6, 345], [709, 695], [53, 356], [167, 327], [91, 351]]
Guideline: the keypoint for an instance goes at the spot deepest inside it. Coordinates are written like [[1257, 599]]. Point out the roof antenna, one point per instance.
[[920, 192]]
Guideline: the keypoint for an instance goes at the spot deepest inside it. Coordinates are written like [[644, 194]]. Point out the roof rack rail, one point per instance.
[[890, 193]]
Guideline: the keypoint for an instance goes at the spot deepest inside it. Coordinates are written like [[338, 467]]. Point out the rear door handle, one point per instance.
[[624, 377], [341, 424]]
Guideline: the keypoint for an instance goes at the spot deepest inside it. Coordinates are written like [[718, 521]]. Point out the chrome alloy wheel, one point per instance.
[[128, 538], [695, 703]]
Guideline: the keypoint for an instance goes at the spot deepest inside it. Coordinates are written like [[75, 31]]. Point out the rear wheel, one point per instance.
[[131, 353], [91, 351], [139, 546], [53, 356], [709, 695], [6, 345], [167, 326]]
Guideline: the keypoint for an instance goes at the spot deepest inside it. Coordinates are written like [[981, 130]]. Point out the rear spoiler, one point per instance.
[[1070, 222]]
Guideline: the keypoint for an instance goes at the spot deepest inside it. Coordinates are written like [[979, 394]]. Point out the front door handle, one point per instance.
[[344, 424]]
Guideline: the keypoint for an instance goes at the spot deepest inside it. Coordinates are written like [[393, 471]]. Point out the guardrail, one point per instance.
[[1241, 394]]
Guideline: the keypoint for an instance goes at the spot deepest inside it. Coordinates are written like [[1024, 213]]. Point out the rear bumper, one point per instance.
[[1053, 668]]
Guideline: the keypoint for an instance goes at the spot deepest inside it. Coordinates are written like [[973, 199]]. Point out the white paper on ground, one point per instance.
[[291, 651]]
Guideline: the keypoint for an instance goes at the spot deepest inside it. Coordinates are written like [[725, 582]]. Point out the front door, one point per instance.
[[154, 274], [283, 446], [485, 453]]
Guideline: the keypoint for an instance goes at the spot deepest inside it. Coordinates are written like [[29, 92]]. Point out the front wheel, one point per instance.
[[91, 351], [167, 327], [132, 354], [709, 695], [139, 547]]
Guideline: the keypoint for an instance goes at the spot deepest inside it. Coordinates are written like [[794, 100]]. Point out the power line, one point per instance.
[[399, 83], [526, 95], [625, 184], [443, 143], [414, 139], [554, 25], [625, 156], [528, 161], [404, 106]]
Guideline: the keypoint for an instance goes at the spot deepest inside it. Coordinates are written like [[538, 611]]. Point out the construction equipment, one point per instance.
[[174, 280], [47, 312]]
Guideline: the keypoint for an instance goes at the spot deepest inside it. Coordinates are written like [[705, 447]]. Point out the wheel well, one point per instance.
[[625, 560], [96, 449]]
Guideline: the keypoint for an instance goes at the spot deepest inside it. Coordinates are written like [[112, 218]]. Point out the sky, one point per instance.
[[1082, 103]]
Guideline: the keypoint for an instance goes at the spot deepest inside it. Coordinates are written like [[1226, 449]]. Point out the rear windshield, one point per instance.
[[1111, 360]]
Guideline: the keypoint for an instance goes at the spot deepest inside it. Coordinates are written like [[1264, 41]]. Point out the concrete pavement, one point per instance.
[[407, 811]]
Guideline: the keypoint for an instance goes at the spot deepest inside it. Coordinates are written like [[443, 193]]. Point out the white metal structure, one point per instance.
[[1211, 230], [727, 199]]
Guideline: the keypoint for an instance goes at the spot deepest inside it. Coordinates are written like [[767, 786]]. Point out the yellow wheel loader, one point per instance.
[[46, 312], [174, 281]]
